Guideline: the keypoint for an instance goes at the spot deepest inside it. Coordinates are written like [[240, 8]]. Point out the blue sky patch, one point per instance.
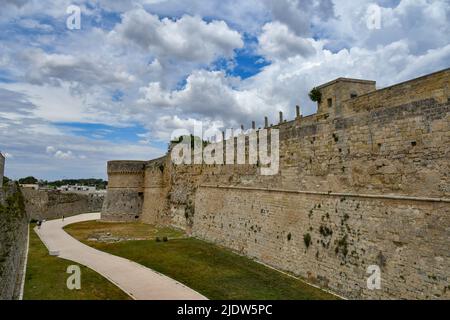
[[103, 132], [117, 96], [248, 65], [246, 62]]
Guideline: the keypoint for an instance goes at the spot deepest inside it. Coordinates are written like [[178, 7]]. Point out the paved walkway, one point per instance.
[[138, 281]]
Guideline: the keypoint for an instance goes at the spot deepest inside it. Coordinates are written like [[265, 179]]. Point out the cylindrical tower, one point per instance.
[[155, 191], [125, 194]]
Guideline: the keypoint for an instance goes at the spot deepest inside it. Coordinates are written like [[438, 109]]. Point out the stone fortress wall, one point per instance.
[[17, 207], [52, 204], [125, 194], [364, 181], [13, 237], [2, 169], [2, 174]]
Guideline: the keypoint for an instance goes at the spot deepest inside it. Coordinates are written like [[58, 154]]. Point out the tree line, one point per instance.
[[99, 183]]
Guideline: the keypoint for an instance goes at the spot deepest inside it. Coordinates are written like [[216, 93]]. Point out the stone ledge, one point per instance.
[[335, 194]]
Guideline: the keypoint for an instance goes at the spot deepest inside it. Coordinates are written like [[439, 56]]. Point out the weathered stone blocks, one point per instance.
[[365, 181]]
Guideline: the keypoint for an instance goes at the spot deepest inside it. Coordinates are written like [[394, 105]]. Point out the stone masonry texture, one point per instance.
[[364, 181], [2, 169], [50, 204], [13, 241]]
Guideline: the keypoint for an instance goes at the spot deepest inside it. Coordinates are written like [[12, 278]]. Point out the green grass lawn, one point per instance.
[[213, 271], [46, 278]]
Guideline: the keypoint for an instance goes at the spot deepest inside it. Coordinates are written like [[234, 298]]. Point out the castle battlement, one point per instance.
[[372, 165]]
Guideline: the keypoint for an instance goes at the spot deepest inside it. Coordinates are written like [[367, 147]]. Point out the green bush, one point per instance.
[[28, 180], [315, 95], [307, 240], [5, 180], [325, 231]]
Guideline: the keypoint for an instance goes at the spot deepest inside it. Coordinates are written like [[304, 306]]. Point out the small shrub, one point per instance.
[[307, 240], [342, 246], [335, 137], [381, 259], [325, 231], [315, 95]]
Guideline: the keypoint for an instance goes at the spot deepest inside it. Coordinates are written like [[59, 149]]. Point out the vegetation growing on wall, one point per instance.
[[307, 240], [342, 246], [195, 141], [13, 221], [14, 205], [189, 213], [326, 233], [315, 95]]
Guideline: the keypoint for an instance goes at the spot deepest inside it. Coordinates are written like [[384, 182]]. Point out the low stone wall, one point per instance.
[[330, 240], [13, 241], [41, 204]]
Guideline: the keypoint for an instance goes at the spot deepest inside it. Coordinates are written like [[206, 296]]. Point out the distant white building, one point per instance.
[[30, 186], [77, 189]]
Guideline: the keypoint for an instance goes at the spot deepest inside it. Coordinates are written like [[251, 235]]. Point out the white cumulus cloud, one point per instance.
[[189, 38], [277, 41]]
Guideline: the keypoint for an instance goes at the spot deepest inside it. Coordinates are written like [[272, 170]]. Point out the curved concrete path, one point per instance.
[[139, 282]]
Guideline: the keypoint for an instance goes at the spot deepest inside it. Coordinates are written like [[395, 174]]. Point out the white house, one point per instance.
[[77, 189]]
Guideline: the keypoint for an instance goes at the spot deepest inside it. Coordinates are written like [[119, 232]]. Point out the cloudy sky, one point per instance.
[[136, 70]]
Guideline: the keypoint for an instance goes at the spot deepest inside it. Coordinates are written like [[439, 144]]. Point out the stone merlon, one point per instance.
[[126, 166]]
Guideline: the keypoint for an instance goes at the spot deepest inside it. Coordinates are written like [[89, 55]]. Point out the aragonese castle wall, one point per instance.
[[125, 196], [366, 179], [52, 204]]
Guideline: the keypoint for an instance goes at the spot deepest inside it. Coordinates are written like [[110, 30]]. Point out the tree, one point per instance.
[[315, 95], [98, 183], [28, 180], [193, 139]]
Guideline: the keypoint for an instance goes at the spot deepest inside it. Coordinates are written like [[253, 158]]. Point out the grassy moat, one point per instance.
[[46, 278], [213, 271]]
